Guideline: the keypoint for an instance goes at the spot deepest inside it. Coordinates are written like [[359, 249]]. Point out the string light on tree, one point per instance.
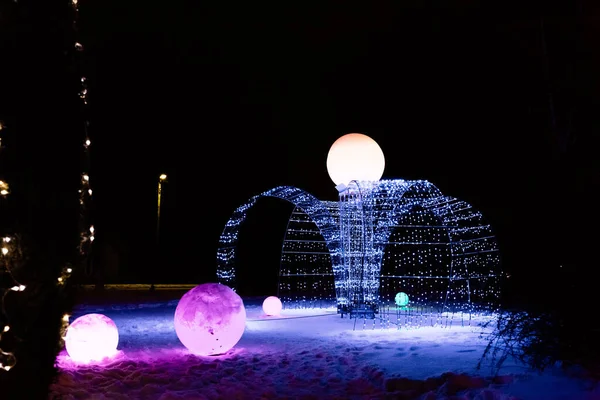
[[12, 258], [379, 238], [12, 254], [85, 191]]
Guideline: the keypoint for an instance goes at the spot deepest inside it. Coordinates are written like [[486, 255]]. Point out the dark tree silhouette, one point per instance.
[[41, 160]]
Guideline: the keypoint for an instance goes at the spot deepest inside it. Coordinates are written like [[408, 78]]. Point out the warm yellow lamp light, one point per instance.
[[355, 157], [163, 177]]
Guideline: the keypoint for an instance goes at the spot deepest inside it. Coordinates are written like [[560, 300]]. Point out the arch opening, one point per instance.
[[228, 242], [259, 247]]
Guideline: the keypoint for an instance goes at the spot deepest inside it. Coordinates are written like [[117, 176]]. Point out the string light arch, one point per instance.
[[369, 210], [444, 256], [228, 240], [437, 249]]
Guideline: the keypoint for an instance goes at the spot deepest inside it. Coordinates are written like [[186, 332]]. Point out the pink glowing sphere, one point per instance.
[[272, 305], [92, 337], [210, 319]]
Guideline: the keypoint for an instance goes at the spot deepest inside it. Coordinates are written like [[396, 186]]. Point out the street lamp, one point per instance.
[[161, 179]]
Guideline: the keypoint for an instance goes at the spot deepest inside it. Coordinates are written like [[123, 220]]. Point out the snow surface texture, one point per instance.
[[302, 354]]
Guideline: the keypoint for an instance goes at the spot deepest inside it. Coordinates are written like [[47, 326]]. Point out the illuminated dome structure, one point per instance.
[[380, 238]]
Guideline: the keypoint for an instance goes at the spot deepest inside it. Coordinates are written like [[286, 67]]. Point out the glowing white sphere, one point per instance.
[[355, 157], [272, 305], [210, 319], [91, 337]]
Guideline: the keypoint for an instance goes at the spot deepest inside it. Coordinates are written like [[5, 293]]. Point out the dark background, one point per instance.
[[231, 100]]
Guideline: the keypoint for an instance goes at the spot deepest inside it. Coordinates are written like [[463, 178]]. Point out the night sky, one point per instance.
[[231, 100]]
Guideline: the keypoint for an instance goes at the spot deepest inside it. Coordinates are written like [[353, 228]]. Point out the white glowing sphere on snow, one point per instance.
[[92, 337], [272, 305], [355, 157], [210, 319]]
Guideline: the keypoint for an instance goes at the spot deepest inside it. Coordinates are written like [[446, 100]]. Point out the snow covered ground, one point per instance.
[[304, 354]]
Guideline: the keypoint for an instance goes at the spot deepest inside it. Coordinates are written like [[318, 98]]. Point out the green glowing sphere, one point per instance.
[[401, 299]]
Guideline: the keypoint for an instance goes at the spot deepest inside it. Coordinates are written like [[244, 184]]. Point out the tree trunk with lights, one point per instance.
[[41, 162]]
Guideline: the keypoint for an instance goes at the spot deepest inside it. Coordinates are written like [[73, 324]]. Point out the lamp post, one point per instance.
[[161, 179]]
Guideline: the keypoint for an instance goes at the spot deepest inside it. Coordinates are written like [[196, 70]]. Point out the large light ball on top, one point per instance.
[[272, 306], [91, 338], [210, 319], [355, 156]]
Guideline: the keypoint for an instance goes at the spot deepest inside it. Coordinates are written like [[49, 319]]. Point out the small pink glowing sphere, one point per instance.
[[272, 306], [210, 319], [92, 337]]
